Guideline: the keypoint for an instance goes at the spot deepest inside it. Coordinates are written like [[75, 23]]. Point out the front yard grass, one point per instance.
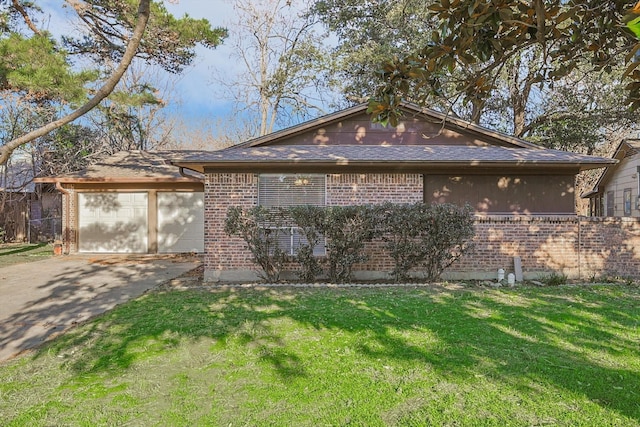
[[18, 253], [567, 356]]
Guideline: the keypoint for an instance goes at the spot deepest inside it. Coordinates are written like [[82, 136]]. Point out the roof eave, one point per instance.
[[141, 180], [346, 165]]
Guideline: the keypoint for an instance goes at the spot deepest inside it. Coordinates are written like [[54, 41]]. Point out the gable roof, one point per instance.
[[130, 167], [627, 147], [410, 110], [453, 143]]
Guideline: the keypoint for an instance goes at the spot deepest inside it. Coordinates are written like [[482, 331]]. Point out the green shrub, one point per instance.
[[555, 279], [347, 229], [430, 237], [417, 236], [446, 232], [310, 221], [261, 229], [401, 236]]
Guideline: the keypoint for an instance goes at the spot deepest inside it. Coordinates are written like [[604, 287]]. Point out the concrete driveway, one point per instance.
[[41, 299]]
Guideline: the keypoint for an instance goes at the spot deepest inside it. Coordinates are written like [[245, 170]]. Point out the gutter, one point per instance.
[[186, 175]]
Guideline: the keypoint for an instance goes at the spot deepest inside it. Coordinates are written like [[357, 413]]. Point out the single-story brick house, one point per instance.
[[617, 191], [132, 202], [344, 158]]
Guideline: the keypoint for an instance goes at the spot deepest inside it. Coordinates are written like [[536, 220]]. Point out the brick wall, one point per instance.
[[361, 189], [226, 257], [576, 246], [580, 247], [69, 219], [544, 244], [610, 246]]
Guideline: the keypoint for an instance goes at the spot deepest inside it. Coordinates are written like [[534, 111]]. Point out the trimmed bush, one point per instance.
[[446, 232], [347, 229], [427, 238], [310, 220], [261, 229], [419, 237]]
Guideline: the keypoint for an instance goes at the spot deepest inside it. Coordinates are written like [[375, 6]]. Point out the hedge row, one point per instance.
[[421, 238]]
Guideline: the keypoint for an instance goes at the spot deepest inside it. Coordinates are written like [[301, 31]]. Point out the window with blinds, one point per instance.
[[282, 190], [291, 190]]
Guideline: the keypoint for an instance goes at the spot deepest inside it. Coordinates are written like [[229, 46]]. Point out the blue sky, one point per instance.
[[195, 86]]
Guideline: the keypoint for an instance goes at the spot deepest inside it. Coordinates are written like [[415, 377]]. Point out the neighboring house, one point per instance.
[[132, 202], [344, 158], [617, 191]]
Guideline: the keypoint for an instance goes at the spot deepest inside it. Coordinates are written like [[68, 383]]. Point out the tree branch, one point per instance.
[[144, 12], [25, 16]]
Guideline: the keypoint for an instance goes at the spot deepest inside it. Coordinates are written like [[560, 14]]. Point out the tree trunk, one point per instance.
[[144, 12]]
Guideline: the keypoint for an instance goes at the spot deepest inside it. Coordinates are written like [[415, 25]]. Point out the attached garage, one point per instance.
[[180, 222], [113, 222], [132, 202]]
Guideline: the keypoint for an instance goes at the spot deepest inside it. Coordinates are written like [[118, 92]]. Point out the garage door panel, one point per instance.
[[113, 222], [180, 222]]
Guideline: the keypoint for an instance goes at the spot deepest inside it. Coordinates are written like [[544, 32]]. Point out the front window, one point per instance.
[[283, 190]]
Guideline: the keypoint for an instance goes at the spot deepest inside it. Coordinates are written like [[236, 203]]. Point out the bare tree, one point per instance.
[[134, 116], [281, 56]]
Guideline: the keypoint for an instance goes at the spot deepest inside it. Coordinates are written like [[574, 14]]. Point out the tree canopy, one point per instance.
[[474, 42]]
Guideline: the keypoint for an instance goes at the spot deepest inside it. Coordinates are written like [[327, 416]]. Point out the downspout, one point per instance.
[[66, 233]]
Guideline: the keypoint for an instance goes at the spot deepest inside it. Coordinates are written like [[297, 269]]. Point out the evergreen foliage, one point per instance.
[[421, 239]]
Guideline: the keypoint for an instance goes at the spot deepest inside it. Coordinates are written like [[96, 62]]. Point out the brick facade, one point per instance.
[[576, 246], [226, 257], [69, 216], [361, 189]]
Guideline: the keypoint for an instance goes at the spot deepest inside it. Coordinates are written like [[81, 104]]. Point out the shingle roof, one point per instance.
[[433, 155], [130, 166]]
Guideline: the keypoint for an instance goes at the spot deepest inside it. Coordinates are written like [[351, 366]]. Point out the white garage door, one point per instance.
[[113, 222], [181, 222]]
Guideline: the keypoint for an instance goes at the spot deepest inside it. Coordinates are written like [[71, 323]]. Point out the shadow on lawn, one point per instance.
[[73, 291], [552, 336]]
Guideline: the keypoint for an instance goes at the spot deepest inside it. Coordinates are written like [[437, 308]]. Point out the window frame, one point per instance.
[[295, 236], [626, 201]]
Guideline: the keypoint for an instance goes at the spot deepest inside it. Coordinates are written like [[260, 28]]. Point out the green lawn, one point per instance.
[[560, 356], [18, 253]]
